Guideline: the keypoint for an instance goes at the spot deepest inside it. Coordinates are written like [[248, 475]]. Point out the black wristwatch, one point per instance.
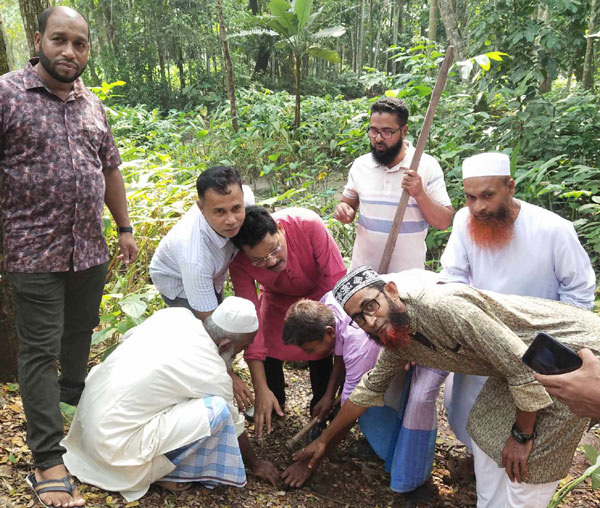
[[125, 229], [519, 436]]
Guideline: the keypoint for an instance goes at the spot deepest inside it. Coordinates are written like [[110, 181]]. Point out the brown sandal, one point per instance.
[[65, 484]]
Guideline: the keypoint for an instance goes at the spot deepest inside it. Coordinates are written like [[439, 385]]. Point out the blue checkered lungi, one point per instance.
[[212, 460]]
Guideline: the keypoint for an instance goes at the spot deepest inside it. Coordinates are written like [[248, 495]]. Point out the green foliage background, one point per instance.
[[552, 140]]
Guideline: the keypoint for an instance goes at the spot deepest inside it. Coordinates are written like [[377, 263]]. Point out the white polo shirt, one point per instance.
[[378, 189], [191, 262]]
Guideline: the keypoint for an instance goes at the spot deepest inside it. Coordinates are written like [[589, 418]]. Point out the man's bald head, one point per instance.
[[45, 15]]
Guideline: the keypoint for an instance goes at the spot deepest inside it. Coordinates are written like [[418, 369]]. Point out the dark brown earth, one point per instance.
[[341, 483]]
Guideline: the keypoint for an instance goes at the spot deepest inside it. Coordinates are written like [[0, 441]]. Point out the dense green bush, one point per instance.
[[552, 139]]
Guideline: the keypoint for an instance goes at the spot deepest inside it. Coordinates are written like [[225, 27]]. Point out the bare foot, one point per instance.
[[174, 486], [297, 474], [58, 498]]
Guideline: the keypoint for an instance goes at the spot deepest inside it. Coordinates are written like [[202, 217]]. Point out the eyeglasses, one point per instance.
[[384, 133], [260, 262], [368, 309]]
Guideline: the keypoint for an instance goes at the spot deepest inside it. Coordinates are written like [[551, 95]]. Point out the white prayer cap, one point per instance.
[[236, 315], [486, 164]]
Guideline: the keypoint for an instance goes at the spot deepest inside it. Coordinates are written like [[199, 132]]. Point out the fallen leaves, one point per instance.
[[341, 482]]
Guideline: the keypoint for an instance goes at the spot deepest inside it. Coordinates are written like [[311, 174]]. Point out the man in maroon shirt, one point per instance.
[[291, 255], [58, 166]]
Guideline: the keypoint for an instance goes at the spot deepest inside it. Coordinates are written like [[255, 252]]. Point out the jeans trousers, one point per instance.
[[56, 315]]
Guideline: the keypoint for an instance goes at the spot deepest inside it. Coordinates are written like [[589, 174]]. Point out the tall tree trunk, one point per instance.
[[4, 59], [180, 66], [359, 45], [397, 30], [455, 29], [263, 53], [29, 12], [379, 27], [433, 21], [228, 65], [587, 82], [371, 30], [297, 69], [8, 333], [544, 17], [353, 49], [96, 81]]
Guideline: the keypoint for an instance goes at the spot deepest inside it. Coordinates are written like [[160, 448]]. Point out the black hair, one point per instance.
[[306, 321], [217, 178], [46, 13], [257, 224], [378, 284], [392, 105]]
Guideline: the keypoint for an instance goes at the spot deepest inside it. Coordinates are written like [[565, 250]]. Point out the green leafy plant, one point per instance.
[[295, 24], [592, 472]]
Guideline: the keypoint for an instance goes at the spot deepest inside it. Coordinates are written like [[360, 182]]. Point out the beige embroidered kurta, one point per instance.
[[486, 333]]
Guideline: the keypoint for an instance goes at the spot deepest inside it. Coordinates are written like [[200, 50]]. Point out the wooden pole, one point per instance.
[[399, 217]]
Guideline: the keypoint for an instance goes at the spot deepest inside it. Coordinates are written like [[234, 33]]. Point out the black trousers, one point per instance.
[[56, 315], [320, 372]]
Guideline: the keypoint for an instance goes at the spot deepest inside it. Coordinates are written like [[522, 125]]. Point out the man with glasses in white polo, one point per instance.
[[374, 187], [375, 184]]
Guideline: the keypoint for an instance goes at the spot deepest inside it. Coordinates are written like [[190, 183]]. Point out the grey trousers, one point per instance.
[[56, 315]]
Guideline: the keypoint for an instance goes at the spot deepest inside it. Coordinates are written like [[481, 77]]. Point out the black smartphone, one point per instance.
[[547, 355]]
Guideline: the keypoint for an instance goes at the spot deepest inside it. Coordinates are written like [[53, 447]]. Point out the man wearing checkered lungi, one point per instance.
[[160, 408]]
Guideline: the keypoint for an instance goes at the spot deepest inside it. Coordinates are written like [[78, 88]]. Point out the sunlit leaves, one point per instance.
[[334, 31], [483, 61], [326, 54]]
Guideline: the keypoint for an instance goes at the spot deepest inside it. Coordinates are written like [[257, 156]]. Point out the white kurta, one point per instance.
[[146, 400], [544, 259]]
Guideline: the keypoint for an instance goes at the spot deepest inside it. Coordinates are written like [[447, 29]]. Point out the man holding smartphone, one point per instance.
[[503, 244], [580, 389]]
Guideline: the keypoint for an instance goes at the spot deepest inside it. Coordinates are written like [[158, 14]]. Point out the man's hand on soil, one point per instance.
[[313, 452], [266, 471], [264, 405], [242, 394], [322, 408], [297, 474]]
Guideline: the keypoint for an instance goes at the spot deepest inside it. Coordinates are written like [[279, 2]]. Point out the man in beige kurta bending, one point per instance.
[[523, 440]]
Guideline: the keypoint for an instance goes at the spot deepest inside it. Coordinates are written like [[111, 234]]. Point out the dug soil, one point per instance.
[[342, 482]]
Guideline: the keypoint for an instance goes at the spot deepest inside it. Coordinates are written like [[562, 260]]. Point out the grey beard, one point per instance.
[[228, 358]]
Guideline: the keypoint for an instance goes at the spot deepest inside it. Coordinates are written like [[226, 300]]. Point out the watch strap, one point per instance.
[[125, 229], [519, 436]]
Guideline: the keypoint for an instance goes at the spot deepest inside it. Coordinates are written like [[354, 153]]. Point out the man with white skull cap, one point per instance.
[[160, 408], [506, 245]]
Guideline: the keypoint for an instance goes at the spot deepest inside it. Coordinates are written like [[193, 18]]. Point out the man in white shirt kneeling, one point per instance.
[[160, 408]]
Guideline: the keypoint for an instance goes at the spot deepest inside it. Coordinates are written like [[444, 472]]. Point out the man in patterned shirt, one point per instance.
[[514, 422], [58, 166]]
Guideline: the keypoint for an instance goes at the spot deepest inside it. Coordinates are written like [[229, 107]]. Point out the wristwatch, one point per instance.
[[125, 229], [519, 436]]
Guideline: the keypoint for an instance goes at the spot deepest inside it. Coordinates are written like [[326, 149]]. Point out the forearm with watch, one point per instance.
[[524, 427], [518, 446]]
